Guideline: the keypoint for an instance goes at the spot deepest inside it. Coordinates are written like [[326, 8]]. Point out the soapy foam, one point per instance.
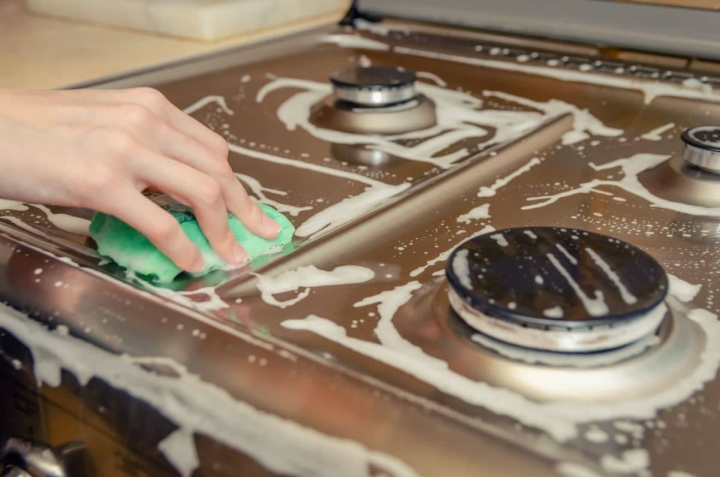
[[502, 182], [627, 297], [257, 188], [583, 121], [568, 360], [219, 100], [630, 167], [355, 41], [596, 435], [12, 205], [656, 134], [631, 461], [444, 255], [559, 419], [68, 223], [650, 89], [683, 291], [567, 254], [462, 268], [500, 239], [306, 278], [571, 469], [348, 209], [432, 77], [198, 407], [458, 118], [479, 212], [594, 306], [554, 312]]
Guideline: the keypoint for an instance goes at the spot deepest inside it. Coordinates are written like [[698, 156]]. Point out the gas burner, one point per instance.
[[374, 100], [692, 178], [374, 86], [556, 289], [702, 148]]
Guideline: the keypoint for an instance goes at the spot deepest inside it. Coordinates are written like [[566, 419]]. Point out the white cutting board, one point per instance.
[[197, 19]]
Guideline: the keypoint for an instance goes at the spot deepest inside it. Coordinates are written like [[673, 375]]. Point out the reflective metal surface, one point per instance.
[[391, 399]]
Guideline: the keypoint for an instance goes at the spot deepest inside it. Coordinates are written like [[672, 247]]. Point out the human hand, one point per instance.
[[100, 149]]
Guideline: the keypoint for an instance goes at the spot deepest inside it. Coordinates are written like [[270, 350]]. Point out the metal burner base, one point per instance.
[[414, 115], [640, 369], [676, 181], [560, 339]]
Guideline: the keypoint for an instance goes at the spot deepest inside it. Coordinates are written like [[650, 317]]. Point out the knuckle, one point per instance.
[[97, 181], [224, 171], [164, 230], [209, 191], [137, 114], [252, 213], [117, 141], [220, 145], [149, 97]]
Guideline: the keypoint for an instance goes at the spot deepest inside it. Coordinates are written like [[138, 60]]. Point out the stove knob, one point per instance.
[[21, 458], [702, 148], [12, 471], [374, 86]]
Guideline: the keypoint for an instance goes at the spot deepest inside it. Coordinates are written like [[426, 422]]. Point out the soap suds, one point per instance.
[[306, 278], [631, 461], [570, 469], [219, 100], [627, 297], [656, 134], [355, 41], [584, 123], [259, 190], [462, 268], [558, 419], [502, 182], [630, 168], [555, 312], [594, 306], [444, 255], [500, 239], [459, 117], [479, 212], [198, 407]]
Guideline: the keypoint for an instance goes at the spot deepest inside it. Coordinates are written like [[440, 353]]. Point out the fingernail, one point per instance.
[[198, 265], [239, 254], [270, 226]]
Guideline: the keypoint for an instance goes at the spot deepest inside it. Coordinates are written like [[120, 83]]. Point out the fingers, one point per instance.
[[249, 212], [154, 101], [183, 148], [202, 193], [158, 226], [178, 136]]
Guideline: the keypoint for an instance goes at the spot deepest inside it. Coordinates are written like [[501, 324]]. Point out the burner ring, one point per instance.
[[557, 289], [374, 86], [702, 147], [559, 338]]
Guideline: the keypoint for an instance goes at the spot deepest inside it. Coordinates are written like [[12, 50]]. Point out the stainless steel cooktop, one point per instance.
[[405, 154]]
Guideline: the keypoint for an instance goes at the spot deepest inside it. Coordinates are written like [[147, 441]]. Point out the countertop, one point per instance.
[[45, 52]]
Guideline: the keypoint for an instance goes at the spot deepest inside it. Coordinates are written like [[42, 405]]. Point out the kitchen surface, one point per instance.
[[503, 264], [43, 51]]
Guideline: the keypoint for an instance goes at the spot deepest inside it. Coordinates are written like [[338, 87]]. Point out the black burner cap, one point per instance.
[[549, 277], [705, 137], [374, 77]]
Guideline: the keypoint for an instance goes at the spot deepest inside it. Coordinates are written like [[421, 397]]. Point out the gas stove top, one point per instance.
[[505, 257]]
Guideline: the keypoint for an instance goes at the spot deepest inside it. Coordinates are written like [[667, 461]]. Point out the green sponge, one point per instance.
[[129, 248]]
